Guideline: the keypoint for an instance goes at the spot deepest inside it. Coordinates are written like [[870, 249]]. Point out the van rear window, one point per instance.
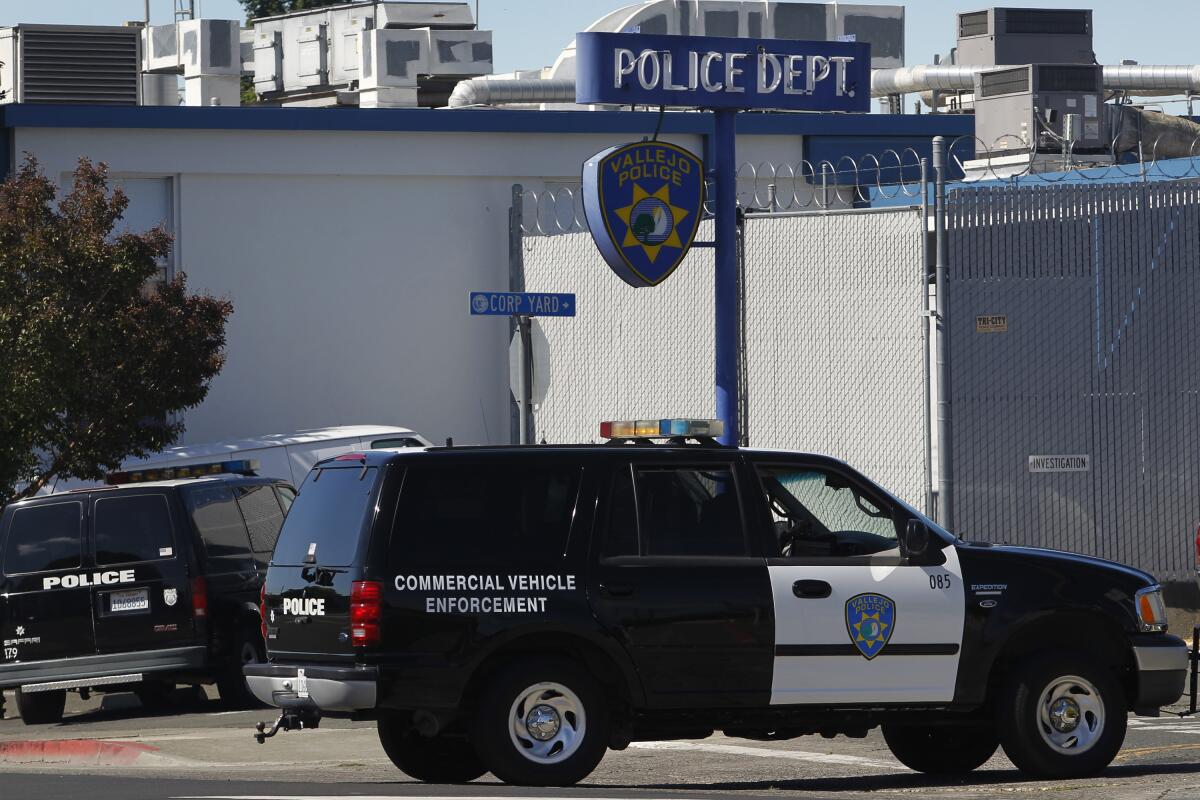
[[44, 538], [328, 517]]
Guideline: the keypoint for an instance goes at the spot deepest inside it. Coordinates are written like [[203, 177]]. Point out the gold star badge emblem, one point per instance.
[[870, 629], [651, 225]]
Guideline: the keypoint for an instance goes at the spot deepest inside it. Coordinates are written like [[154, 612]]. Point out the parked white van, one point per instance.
[[287, 456]]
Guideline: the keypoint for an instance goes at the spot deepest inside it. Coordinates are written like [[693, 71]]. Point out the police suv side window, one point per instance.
[[818, 513], [219, 523], [487, 510], [263, 516], [689, 511], [134, 528], [44, 538]]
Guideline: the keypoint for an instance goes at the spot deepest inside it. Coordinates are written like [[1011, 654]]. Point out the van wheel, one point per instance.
[[1062, 717], [442, 759], [231, 683], [41, 708], [941, 749], [542, 722]]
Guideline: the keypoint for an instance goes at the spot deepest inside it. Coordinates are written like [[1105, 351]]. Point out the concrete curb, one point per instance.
[[78, 752]]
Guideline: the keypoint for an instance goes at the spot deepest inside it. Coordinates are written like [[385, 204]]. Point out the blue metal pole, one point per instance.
[[724, 163]]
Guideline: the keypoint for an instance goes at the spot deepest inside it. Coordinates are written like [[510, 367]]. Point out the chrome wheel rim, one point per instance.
[[547, 723], [1070, 715]]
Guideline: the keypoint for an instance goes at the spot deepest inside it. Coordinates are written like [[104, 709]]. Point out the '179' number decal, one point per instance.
[[940, 581]]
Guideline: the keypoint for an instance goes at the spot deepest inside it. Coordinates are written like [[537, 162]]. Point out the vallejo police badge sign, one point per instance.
[[643, 203], [870, 620]]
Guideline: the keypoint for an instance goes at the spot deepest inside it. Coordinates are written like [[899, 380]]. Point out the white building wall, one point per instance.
[[348, 257]]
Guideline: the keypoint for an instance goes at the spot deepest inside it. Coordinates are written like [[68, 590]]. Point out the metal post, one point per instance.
[[516, 283], [724, 165], [945, 440], [925, 335], [525, 378]]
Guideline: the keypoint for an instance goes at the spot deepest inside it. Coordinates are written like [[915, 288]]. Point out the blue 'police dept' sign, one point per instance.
[[719, 72], [643, 203], [531, 304]]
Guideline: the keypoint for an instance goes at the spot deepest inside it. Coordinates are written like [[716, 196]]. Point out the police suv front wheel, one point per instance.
[[1062, 717], [41, 708], [542, 722], [941, 749]]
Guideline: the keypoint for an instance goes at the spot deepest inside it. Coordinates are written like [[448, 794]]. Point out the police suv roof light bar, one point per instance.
[[244, 466], [702, 430]]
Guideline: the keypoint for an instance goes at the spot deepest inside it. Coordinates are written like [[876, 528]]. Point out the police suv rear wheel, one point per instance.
[[231, 684], [542, 723], [941, 749], [1062, 717], [441, 759], [41, 708]]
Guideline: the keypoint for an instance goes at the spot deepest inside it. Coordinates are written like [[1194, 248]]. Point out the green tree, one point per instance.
[[269, 8], [96, 355]]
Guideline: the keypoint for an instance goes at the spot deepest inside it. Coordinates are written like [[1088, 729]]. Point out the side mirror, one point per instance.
[[918, 544]]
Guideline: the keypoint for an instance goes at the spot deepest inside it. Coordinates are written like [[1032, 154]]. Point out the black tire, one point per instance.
[[231, 683], [941, 749], [41, 708], [1029, 740], [442, 759], [577, 730], [155, 695]]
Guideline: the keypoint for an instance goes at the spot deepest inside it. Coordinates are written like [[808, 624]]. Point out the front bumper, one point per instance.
[[1162, 665], [314, 686], [105, 667]]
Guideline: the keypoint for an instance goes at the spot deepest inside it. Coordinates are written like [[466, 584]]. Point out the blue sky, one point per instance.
[[530, 33]]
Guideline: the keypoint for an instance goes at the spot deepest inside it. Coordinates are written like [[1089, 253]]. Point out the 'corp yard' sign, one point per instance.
[[719, 72]]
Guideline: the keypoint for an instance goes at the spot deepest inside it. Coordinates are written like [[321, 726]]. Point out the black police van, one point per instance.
[[520, 610], [137, 586]]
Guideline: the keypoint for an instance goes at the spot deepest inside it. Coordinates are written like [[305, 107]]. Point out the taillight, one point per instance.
[[366, 613], [262, 612], [1198, 547], [199, 598]]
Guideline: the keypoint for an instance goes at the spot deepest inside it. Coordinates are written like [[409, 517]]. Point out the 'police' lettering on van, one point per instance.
[[86, 579]]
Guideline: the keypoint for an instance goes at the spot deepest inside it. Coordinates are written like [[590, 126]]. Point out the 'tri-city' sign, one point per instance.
[[719, 72]]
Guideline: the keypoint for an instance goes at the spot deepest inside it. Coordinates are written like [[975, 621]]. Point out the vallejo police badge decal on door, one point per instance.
[[870, 620]]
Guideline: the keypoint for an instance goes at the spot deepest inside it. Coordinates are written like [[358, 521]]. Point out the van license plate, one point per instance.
[[132, 600], [301, 683]]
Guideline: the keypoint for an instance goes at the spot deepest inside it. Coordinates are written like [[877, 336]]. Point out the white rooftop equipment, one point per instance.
[[77, 64], [374, 54]]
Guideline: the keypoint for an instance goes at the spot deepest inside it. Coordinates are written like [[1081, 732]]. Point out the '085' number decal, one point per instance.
[[941, 580]]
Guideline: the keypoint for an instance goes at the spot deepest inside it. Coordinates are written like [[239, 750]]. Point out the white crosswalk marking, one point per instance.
[[768, 752]]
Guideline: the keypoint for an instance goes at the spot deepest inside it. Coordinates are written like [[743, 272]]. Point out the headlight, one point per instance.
[[1151, 610]]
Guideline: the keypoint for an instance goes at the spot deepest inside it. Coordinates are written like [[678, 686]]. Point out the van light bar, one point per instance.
[[661, 428], [243, 466]]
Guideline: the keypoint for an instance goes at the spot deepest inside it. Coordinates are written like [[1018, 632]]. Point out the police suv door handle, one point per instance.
[[812, 589], [617, 589]]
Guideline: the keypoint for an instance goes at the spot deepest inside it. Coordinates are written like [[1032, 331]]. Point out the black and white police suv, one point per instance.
[[137, 586], [520, 610]]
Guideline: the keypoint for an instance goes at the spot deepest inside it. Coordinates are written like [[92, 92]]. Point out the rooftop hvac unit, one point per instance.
[[392, 53], [86, 65], [998, 36], [1032, 108]]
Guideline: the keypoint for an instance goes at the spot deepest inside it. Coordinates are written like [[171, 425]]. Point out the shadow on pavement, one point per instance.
[[907, 780]]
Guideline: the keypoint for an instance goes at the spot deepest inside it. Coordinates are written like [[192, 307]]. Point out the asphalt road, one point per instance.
[[196, 750]]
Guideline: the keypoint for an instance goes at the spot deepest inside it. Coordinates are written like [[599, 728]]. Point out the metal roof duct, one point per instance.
[[1136, 79], [493, 91]]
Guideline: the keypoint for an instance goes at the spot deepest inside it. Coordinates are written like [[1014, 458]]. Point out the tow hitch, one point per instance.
[[289, 720]]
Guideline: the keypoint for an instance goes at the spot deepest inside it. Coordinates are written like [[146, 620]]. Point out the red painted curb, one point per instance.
[[73, 751]]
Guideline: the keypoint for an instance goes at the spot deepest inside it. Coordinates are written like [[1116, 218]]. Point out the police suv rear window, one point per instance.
[[325, 523], [44, 538], [494, 510]]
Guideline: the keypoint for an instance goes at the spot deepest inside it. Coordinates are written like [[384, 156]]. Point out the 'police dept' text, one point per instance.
[[500, 594]]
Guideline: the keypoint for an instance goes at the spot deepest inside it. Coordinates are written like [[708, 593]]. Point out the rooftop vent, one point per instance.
[[69, 64], [998, 36]]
